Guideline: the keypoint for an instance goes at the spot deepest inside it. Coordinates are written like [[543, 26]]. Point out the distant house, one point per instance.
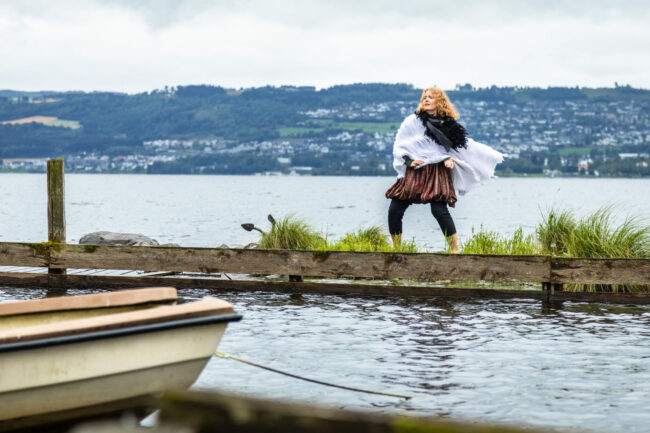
[[583, 166], [30, 163]]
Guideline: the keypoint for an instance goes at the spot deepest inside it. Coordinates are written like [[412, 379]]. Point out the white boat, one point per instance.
[[61, 354]]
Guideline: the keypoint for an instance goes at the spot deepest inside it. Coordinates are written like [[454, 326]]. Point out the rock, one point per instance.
[[250, 246], [112, 238]]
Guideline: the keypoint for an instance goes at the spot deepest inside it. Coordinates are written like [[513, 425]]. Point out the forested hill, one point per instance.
[[115, 123]]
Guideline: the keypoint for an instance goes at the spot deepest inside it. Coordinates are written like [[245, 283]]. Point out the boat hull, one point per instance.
[[105, 368]]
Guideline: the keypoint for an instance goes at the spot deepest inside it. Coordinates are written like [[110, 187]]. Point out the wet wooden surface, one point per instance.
[[207, 412]]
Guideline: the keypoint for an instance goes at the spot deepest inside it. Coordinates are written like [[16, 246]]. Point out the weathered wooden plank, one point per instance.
[[69, 420], [335, 264], [21, 254], [342, 289], [56, 205], [17, 279], [600, 271], [202, 411], [55, 200], [606, 298], [216, 286]]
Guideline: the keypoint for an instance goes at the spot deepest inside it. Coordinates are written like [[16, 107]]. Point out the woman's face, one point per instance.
[[428, 103]]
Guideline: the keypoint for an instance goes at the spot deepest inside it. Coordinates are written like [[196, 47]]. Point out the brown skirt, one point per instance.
[[432, 182]]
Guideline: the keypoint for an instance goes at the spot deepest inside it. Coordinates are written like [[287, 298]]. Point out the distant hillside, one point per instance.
[[117, 123], [19, 94]]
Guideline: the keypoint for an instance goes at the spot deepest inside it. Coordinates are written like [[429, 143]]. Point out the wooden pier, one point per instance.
[[56, 264]]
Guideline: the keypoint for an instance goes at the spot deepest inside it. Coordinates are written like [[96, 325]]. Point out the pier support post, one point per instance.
[[55, 205], [546, 291]]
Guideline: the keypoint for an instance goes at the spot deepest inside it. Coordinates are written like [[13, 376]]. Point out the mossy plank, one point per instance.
[[20, 254], [202, 411], [334, 264], [337, 264]]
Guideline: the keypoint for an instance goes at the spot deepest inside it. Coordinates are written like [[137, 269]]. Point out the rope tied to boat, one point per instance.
[[306, 379]]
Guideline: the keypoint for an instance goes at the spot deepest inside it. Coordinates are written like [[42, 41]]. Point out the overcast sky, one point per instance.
[[141, 45]]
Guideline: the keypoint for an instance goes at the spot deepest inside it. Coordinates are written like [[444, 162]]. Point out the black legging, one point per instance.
[[438, 209]]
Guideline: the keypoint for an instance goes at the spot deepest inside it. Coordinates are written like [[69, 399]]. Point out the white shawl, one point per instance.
[[474, 164]]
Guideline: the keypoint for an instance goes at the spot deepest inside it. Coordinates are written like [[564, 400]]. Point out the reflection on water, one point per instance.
[[512, 361]]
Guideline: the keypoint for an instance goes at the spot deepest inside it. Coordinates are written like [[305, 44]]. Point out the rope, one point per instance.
[[349, 388]]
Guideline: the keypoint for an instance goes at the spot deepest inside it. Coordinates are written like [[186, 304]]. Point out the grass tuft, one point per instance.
[[555, 230], [488, 242], [596, 236], [295, 234], [291, 233], [370, 239]]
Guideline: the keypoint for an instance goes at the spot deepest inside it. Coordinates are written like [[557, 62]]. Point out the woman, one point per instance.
[[434, 160]]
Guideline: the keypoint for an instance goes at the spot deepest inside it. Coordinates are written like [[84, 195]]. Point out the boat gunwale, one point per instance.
[[208, 306], [119, 332], [90, 301]]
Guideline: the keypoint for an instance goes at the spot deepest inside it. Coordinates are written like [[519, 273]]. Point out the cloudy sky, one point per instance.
[[140, 45]]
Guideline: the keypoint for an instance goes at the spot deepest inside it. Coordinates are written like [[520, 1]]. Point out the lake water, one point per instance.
[[574, 365], [208, 210]]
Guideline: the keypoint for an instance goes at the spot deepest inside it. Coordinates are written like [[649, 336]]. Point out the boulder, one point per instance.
[[112, 238]]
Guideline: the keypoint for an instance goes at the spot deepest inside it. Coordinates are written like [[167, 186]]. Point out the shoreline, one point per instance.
[[275, 174]]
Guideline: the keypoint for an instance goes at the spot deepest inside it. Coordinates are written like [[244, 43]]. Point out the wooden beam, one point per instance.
[[17, 279], [332, 264], [21, 254], [55, 205], [308, 287], [203, 412], [552, 272], [600, 271], [216, 286], [604, 297]]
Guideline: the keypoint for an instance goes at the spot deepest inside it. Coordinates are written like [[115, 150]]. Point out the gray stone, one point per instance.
[[112, 238]]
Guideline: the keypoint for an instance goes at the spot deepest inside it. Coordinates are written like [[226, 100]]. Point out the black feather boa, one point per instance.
[[453, 130]]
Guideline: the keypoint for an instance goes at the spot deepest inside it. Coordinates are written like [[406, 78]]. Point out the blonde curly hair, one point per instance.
[[443, 105]]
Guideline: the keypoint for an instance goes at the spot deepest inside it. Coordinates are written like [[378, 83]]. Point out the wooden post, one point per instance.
[[55, 205], [546, 291]]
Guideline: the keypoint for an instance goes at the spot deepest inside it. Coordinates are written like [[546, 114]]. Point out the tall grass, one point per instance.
[[555, 230], [485, 241], [293, 233], [370, 239], [594, 235]]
